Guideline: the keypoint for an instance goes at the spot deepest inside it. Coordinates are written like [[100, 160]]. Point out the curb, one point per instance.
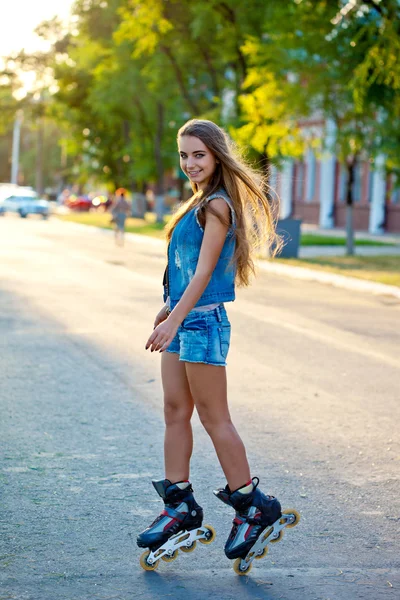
[[341, 281], [304, 273]]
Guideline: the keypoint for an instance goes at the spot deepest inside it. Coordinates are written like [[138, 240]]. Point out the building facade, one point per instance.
[[314, 188]]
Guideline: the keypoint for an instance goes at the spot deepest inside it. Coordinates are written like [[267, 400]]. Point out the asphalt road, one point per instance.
[[314, 389]]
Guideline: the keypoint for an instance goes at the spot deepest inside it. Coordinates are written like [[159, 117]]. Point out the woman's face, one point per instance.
[[197, 161]]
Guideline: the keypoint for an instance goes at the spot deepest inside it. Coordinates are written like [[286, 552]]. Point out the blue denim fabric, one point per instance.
[[183, 255], [203, 337]]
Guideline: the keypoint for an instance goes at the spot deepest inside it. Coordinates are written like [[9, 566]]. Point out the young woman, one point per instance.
[[211, 240]]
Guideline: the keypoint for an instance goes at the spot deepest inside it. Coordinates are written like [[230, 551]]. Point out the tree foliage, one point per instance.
[[126, 74]]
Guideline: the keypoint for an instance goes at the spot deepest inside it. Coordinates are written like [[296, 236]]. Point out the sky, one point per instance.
[[20, 17]]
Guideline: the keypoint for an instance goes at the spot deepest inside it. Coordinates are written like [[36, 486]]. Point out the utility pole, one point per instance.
[[15, 146], [39, 156]]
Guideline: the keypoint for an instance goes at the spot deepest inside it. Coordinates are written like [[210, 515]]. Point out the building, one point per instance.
[[313, 189]]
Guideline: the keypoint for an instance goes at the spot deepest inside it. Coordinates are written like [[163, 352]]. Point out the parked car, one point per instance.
[[24, 203], [83, 203]]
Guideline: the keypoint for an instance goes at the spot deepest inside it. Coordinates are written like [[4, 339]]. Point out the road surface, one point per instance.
[[314, 389]]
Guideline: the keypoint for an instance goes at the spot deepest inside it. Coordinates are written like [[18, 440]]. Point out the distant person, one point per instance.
[[120, 211], [62, 198]]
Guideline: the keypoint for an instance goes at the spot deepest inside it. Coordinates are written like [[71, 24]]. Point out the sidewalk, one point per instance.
[[314, 251], [341, 281], [389, 238]]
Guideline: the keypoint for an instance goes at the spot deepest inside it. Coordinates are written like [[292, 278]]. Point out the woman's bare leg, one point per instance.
[[209, 392], [178, 410]]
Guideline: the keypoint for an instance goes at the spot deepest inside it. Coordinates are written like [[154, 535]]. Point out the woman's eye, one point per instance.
[[199, 155]]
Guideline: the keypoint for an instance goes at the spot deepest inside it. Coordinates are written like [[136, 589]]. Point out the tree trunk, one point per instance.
[[240, 63], [159, 195], [16, 147], [63, 166], [349, 208], [179, 74], [138, 202], [213, 73], [181, 189]]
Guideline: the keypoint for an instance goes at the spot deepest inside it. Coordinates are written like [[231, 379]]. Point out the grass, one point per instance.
[[382, 269], [146, 226], [310, 239]]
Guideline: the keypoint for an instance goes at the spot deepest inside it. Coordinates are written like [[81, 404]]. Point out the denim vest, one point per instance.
[[183, 255]]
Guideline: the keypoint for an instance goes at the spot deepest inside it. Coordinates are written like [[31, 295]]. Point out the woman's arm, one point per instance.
[[211, 247]]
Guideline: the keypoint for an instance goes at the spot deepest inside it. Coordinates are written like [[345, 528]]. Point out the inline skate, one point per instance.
[[178, 527], [258, 521]]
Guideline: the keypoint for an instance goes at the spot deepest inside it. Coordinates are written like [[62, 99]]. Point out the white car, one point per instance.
[[25, 202]]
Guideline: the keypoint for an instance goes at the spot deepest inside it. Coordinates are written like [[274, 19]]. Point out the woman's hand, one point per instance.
[[162, 335], [162, 315]]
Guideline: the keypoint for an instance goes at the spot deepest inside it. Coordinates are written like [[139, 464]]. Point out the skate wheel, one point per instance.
[[188, 548], [278, 537], [241, 571], [145, 565], [210, 535], [294, 513], [262, 554], [170, 557]]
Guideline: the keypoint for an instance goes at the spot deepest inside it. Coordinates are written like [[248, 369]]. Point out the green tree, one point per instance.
[[325, 59], [359, 86], [34, 105], [269, 117], [115, 106], [8, 109]]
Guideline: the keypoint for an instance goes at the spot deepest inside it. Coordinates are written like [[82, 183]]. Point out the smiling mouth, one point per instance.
[[193, 173]]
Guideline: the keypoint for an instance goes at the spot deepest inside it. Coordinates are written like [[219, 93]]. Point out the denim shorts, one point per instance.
[[203, 337]]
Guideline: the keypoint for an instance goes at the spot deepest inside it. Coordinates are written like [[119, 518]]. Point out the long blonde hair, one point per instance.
[[255, 217]]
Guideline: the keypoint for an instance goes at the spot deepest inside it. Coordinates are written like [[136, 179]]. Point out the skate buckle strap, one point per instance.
[[171, 512]]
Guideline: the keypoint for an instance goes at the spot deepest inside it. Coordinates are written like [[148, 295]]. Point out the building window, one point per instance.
[[343, 183], [395, 195], [311, 171], [273, 178], [299, 181], [370, 185]]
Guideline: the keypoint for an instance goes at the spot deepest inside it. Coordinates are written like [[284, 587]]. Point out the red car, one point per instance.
[[82, 203]]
